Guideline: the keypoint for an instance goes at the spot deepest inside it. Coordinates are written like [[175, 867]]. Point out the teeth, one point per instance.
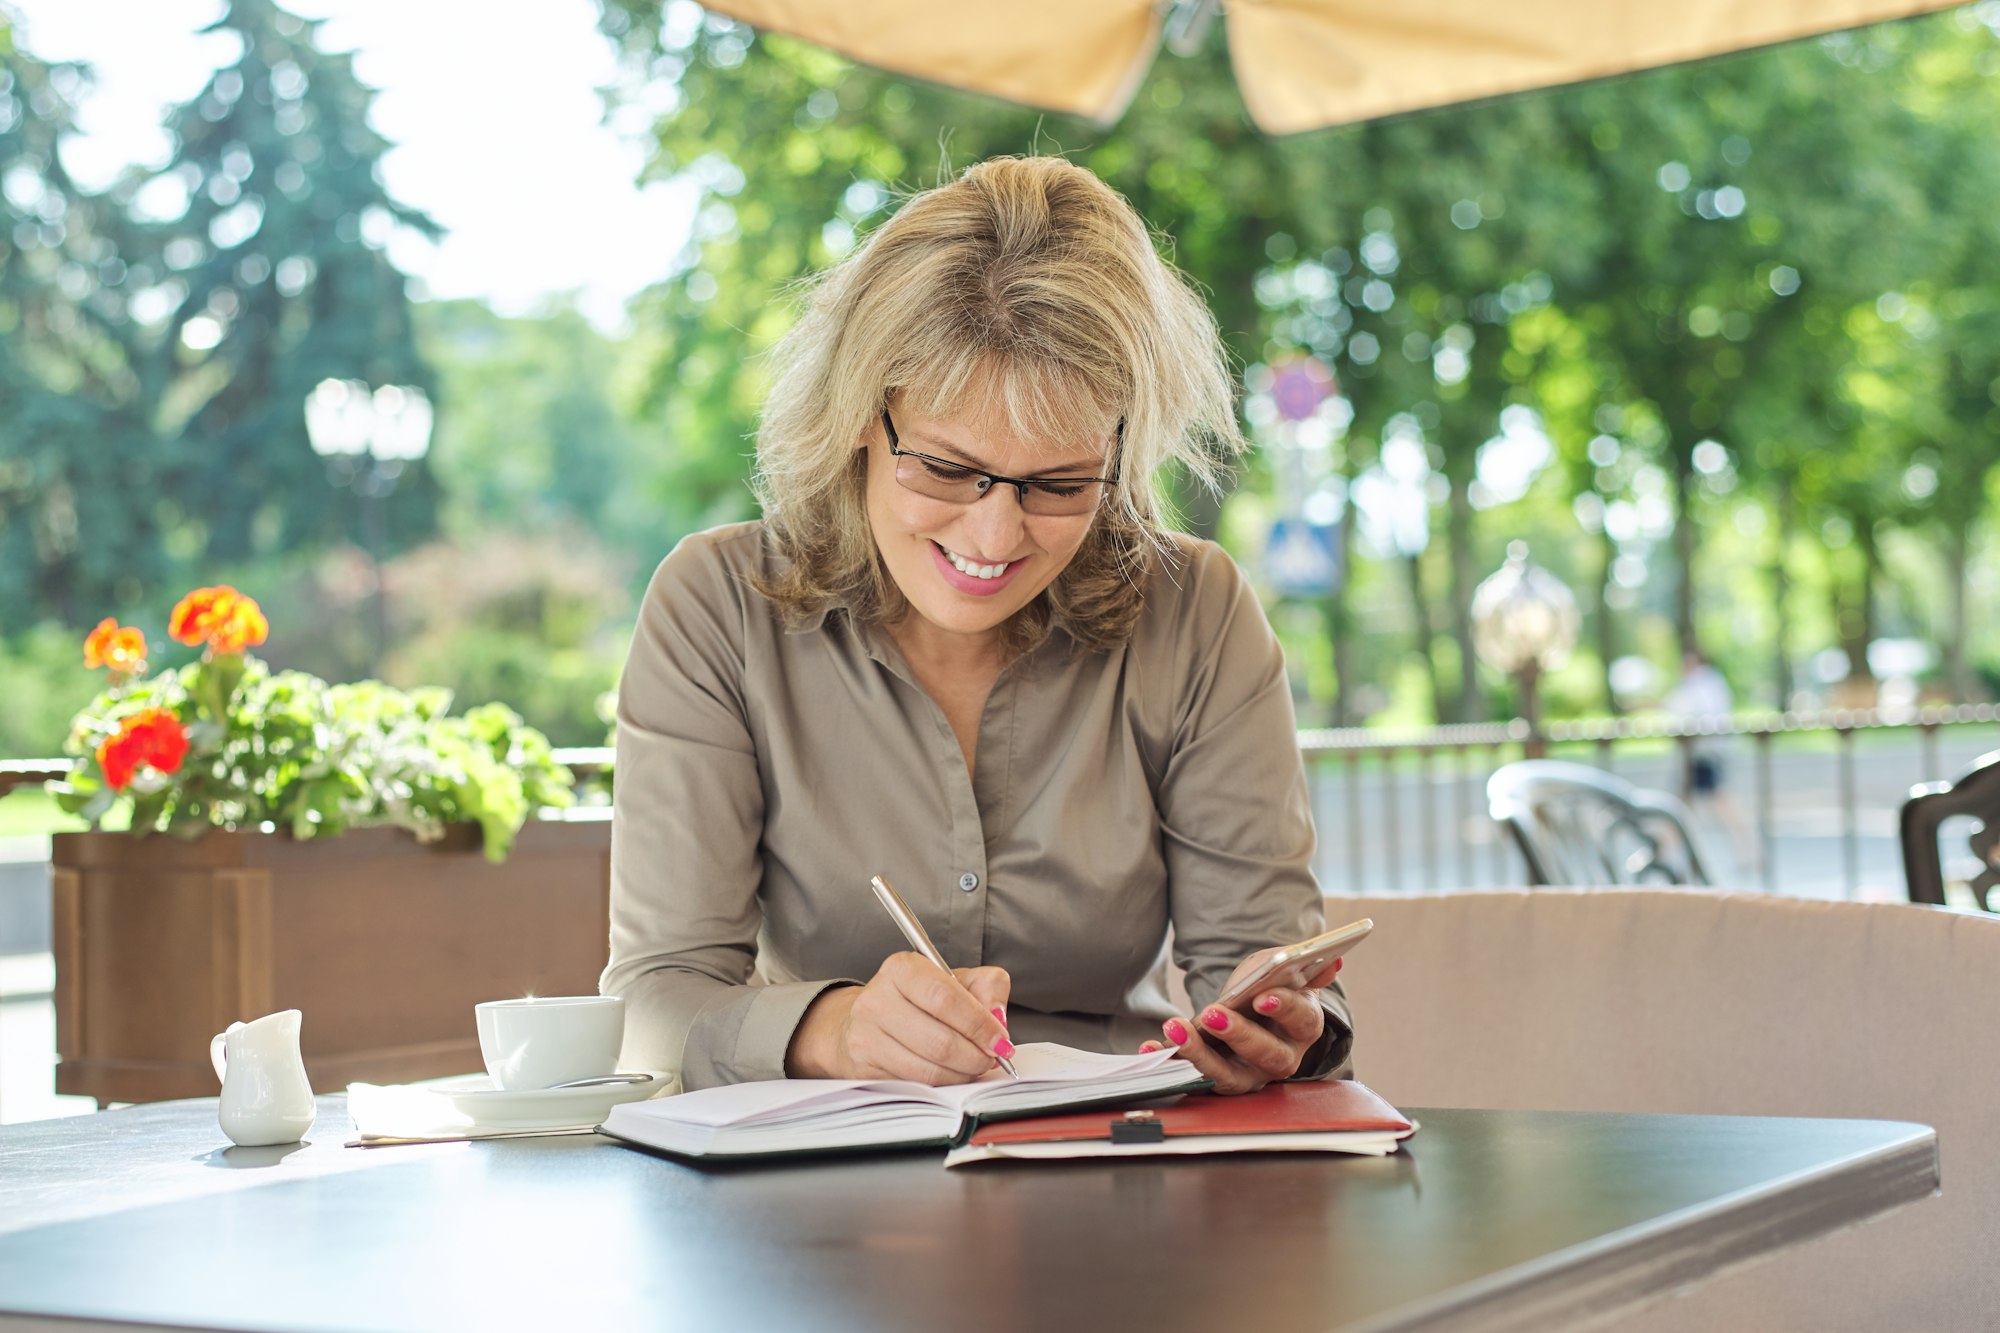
[[964, 566]]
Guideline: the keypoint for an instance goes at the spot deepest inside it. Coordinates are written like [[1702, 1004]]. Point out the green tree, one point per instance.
[[1955, 318], [74, 444], [1878, 361], [1754, 201], [539, 438], [273, 264], [1955, 472], [1495, 223]]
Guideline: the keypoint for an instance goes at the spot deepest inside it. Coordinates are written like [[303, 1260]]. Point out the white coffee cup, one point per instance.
[[549, 1039]]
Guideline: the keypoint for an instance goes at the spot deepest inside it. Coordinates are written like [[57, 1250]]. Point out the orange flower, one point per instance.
[[220, 617], [153, 737], [190, 617], [119, 758], [162, 738], [120, 647], [238, 625]]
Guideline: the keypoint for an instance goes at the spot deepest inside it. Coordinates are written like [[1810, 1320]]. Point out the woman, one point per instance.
[[960, 651]]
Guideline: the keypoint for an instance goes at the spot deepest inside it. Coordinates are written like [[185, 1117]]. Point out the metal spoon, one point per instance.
[[602, 1078]]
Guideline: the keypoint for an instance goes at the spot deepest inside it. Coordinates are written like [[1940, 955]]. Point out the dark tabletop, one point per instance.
[[1487, 1219]]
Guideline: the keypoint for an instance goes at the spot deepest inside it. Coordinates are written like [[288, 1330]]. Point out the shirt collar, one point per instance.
[[813, 623]]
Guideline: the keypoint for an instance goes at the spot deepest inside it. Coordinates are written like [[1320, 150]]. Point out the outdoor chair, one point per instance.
[[1975, 792], [1578, 825]]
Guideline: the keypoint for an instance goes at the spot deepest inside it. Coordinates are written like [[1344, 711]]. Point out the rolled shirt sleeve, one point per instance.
[[1233, 804]]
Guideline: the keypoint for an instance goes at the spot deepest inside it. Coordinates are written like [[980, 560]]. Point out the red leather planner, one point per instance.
[[1339, 1116]]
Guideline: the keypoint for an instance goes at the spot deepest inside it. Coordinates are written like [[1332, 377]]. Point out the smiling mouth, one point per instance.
[[971, 569]]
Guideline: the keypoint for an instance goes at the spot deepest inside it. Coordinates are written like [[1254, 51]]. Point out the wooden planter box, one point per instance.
[[383, 942]]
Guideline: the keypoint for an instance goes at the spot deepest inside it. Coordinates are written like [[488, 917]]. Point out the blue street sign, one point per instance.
[[1302, 559]]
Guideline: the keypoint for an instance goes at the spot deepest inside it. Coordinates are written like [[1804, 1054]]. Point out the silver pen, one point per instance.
[[920, 940]]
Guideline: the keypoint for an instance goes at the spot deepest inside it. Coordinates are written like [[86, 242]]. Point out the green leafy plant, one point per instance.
[[226, 742]]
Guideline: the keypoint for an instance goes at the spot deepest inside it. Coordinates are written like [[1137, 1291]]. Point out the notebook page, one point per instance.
[[776, 1099], [1046, 1060], [859, 1127], [1052, 1075]]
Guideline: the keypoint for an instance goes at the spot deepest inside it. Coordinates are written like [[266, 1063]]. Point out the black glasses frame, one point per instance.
[[988, 480]]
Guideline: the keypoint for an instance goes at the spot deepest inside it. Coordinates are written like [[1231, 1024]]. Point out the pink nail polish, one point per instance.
[[1148, 1047], [1267, 1004], [1215, 1021], [1004, 1049], [1176, 1031], [1000, 1014]]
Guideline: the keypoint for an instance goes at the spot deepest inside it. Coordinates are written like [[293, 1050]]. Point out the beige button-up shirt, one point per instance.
[[764, 773]]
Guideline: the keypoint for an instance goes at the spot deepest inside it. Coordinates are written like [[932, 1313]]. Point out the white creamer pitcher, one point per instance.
[[265, 1096]]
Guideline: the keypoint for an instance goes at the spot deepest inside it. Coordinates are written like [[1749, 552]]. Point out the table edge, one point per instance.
[[1593, 1284]]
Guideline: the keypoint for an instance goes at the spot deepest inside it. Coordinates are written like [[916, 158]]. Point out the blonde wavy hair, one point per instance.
[[1026, 285]]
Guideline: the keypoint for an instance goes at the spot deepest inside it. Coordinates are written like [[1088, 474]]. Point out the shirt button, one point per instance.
[[968, 881]]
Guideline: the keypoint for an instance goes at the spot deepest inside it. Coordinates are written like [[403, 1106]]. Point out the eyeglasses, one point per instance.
[[942, 479]]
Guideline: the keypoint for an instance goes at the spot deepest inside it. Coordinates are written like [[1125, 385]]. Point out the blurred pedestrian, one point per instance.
[[1701, 699]]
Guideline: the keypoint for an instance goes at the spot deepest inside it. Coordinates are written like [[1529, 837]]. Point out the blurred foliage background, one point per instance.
[[1721, 342]]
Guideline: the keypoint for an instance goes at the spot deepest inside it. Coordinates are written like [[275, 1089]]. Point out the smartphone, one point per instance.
[[1296, 964]]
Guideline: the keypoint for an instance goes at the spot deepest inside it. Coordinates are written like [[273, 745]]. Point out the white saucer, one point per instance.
[[488, 1107]]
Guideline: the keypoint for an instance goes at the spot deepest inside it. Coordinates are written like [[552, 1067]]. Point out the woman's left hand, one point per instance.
[[1244, 1051]]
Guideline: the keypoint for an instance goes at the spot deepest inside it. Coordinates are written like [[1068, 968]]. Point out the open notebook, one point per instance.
[[806, 1115]]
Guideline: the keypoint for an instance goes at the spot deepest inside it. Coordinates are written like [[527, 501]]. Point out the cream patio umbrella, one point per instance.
[[1301, 64]]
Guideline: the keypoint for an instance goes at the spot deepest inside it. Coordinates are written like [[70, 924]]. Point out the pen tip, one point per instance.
[[1007, 1065]]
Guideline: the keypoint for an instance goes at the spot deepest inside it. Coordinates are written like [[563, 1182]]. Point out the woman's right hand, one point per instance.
[[908, 1022]]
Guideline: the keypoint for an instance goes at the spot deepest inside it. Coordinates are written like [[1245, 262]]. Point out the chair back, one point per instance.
[[1974, 792], [1700, 1002], [1579, 825]]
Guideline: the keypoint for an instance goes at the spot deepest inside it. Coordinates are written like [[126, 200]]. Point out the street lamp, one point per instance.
[[1524, 622], [390, 426]]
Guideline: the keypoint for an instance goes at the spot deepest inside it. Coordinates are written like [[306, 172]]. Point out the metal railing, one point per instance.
[[29, 772], [1403, 811], [586, 762]]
